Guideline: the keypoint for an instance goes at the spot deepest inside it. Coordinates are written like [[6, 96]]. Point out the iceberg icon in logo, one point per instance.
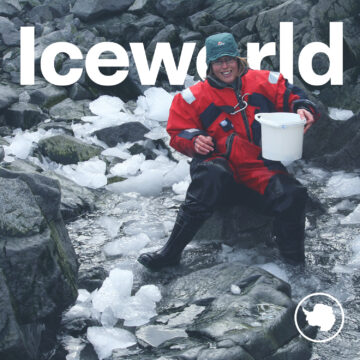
[[325, 312]]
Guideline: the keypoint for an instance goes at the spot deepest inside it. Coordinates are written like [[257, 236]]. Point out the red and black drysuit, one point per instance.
[[235, 170]]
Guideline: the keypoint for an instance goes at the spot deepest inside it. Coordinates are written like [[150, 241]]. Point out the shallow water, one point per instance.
[[331, 265]]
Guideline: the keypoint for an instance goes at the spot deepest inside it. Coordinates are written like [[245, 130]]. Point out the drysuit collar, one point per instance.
[[218, 84]]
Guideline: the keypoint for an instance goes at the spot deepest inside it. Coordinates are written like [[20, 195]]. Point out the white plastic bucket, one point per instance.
[[281, 135]]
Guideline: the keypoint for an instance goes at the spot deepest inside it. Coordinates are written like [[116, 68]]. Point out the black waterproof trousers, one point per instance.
[[284, 198]]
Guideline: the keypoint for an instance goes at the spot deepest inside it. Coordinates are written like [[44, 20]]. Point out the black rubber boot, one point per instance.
[[183, 232], [289, 238]]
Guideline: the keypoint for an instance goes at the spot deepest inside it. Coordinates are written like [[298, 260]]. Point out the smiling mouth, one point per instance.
[[226, 73]]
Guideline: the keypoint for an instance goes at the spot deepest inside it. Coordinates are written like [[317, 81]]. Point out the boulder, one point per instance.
[[8, 96], [168, 34], [79, 92], [66, 149], [147, 27], [178, 9], [9, 7], [9, 33], [236, 225], [58, 125], [88, 9], [24, 115], [121, 29], [128, 132], [200, 307], [47, 96], [142, 6], [200, 18], [70, 110], [75, 199], [334, 144], [2, 153], [40, 14], [38, 266]]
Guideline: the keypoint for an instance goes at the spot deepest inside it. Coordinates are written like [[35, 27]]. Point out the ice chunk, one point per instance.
[[157, 133], [181, 187], [83, 296], [186, 316], [158, 102], [155, 335], [139, 309], [355, 246], [274, 269], [343, 185], [129, 167], [126, 245], [108, 319], [106, 105], [89, 173], [189, 81], [111, 224], [342, 205], [177, 173], [235, 289], [154, 229], [105, 340], [352, 218], [149, 293], [114, 289], [22, 144], [78, 311], [93, 123], [149, 183], [118, 152], [73, 346], [340, 114]]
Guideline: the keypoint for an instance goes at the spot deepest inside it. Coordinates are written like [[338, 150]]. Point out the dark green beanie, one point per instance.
[[219, 45]]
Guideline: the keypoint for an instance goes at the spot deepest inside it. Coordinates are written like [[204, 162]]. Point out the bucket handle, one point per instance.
[[273, 124]]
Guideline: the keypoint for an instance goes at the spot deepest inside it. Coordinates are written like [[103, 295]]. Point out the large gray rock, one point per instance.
[[75, 199], [9, 33], [200, 308], [48, 96], [7, 96], [339, 149], [178, 9], [24, 115], [121, 29], [236, 225], [38, 266], [128, 132], [9, 7], [66, 149], [2, 153], [70, 110], [92, 9], [142, 6]]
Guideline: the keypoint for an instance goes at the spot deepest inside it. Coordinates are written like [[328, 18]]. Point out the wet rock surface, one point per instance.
[[38, 264]]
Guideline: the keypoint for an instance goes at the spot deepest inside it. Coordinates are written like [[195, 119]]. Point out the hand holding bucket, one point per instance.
[[282, 135]]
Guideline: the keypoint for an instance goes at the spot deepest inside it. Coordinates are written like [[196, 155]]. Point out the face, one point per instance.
[[225, 69]]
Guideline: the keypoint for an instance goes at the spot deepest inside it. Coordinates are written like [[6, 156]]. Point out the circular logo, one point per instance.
[[325, 312]]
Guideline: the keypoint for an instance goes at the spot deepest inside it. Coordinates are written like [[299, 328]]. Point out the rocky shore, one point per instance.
[[56, 128]]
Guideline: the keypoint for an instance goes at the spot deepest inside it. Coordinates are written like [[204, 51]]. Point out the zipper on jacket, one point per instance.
[[228, 144], [244, 117]]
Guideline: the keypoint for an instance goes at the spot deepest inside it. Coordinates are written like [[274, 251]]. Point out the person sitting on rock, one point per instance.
[[213, 122]]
